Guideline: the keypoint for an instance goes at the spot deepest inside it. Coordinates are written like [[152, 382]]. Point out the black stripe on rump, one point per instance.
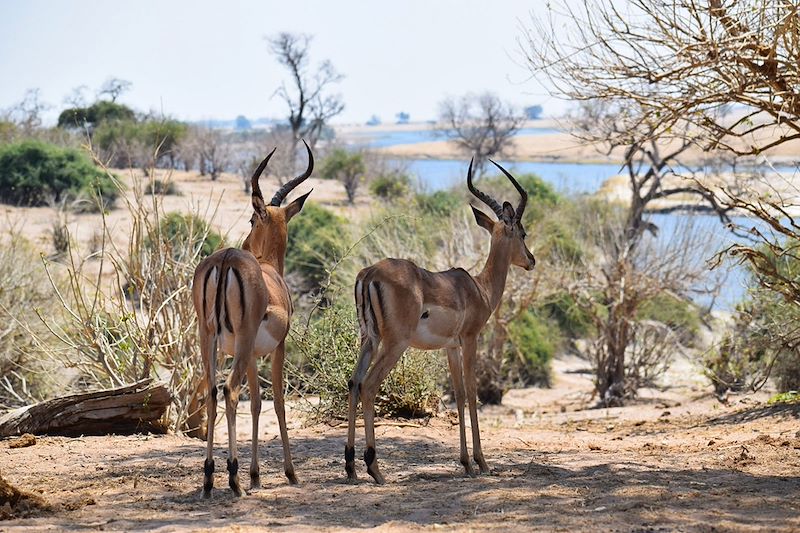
[[205, 290], [220, 287], [238, 276]]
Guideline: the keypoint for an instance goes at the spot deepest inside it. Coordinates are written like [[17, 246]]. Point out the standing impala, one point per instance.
[[243, 306], [400, 304]]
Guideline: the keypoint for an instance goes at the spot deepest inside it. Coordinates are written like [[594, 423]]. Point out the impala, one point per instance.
[[243, 307], [400, 304]]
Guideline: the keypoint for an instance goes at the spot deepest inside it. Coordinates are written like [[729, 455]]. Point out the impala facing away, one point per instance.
[[400, 304], [244, 307]]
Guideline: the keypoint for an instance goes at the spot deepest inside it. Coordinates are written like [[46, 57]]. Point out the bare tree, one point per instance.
[[114, 87], [213, 151], [681, 60], [27, 114], [310, 105], [482, 125], [726, 73], [77, 97]]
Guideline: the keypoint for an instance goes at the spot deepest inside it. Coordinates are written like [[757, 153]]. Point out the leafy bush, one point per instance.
[[533, 342], [390, 187], [315, 237], [439, 203], [325, 354], [157, 186], [26, 375], [346, 167], [680, 315], [98, 112], [187, 233], [573, 321], [34, 172]]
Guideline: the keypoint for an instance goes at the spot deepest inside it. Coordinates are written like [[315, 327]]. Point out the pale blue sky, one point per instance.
[[203, 59]]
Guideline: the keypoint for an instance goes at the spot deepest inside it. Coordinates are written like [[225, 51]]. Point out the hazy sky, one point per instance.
[[204, 59]]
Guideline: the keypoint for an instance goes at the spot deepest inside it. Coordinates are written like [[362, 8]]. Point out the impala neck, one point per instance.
[[275, 259], [493, 276], [272, 256]]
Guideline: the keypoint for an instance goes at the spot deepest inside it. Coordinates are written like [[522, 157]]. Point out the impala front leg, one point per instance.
[[277, 392], [469, 350], [454, 360]]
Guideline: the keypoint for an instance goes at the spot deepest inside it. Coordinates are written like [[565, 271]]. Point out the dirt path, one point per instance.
[[668, 463]]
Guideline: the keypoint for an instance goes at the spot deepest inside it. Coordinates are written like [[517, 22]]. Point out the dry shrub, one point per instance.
[[142, 323], [25, 375]]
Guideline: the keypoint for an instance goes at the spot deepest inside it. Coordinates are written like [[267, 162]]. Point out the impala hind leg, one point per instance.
[[454, 361], [255, 412], [388, 355], [277, 391], [244, 351], [208, 353], [469, 350], [354, 386]]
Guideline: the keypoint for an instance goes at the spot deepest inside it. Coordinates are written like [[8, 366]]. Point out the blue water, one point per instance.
[[381, 139], [567, 178]]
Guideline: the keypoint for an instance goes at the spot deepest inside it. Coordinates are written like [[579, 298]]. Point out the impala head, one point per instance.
[[508, 227], [268, 225]]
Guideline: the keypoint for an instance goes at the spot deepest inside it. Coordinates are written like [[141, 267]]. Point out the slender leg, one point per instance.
[[355, 389], [208, 349], [255, 412], [277, 392], [454, 360], [244, 352], [388, 355], [469, 350]]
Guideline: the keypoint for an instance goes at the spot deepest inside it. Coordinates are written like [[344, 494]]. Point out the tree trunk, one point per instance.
[[124, 410]]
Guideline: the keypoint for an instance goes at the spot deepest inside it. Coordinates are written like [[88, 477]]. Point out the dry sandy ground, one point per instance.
[[676, 461]]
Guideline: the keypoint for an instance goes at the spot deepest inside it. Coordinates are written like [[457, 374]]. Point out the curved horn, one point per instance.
[[289, 185], [522, 192], [483, 197], [254, 187]]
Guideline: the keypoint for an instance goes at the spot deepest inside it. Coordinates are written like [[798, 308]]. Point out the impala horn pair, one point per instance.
[[491, 202], [277, 200]]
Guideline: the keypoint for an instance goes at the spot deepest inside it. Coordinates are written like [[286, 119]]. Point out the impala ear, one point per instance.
[[482, 219], [297, 204], [508, 213]]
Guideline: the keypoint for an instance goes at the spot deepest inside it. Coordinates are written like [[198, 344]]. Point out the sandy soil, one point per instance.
[[676, 460]]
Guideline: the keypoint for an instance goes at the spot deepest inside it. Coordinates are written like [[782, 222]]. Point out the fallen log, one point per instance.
[[131, 409]]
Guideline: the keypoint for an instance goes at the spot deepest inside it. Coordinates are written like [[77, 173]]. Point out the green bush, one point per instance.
[[571, 319], [98, 112], [26, 291], [316, 236], [33, 173], [680, 315], [346, 167], [187, 235], [390, 187], [163, 188], [440, 203], [325, 354], [533, 342]]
